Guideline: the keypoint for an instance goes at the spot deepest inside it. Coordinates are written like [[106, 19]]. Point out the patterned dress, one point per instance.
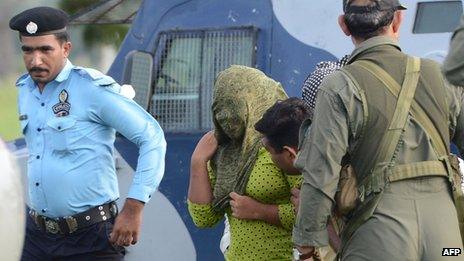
[[255, 239]]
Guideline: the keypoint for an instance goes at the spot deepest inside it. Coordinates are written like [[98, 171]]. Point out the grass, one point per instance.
[[9, 123]]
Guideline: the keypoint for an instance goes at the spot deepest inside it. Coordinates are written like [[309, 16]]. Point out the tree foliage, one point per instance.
[[95, 34]]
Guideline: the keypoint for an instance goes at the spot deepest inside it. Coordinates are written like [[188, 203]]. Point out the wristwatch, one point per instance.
[[297, 255]]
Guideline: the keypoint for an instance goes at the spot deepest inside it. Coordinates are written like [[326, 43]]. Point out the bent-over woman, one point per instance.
[[232, 173]]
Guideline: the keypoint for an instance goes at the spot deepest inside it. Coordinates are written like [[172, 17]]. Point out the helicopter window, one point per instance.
[[437, 17], [186, 65]]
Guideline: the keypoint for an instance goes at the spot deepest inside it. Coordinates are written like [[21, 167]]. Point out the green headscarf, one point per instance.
[[241, 96]]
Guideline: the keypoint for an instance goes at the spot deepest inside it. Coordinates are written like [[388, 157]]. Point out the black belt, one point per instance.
[[70, 224]]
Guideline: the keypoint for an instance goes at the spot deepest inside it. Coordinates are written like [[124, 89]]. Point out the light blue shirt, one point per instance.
[[71, 165]]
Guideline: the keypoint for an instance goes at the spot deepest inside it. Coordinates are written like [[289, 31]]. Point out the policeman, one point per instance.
[[69, 116], [394, 115]]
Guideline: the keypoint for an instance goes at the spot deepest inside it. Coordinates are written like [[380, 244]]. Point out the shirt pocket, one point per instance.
[[62, 133]]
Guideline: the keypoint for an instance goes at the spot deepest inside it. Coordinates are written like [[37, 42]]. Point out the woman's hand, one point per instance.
[[206, 147], [200, 190], [247, 208], [244, 207]]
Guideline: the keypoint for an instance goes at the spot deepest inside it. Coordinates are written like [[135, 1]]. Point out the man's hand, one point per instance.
[[244, 207], [126, 228], [334, 238], [295, 199], [306, 250]]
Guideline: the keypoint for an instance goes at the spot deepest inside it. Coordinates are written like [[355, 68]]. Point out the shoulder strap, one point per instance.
[[397, 125], [405, 171], [385, 158], [416, 110], [403, 105]]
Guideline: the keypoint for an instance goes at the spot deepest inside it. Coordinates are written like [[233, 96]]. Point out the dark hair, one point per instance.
[[366, 25], [281, 123], [62, 37]]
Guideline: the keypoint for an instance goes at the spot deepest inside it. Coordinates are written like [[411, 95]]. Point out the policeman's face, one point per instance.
[[284, 159], [44, 56]]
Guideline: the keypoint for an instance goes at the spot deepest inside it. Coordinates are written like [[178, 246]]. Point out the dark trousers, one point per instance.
[[90, 243]]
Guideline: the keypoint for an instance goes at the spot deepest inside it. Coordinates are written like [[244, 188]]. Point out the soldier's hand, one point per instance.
[[126, 228], [205, 148], [295, 199], [244, 207], [307, 250]]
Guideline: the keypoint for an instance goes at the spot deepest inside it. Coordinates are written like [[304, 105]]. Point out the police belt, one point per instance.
[[70, 224]]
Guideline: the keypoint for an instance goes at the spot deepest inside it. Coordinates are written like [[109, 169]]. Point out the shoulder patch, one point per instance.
[[95, 76], [105, 81], [89, 73], [22, 80]]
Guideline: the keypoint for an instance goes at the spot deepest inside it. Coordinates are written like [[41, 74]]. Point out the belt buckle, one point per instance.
[[51, 226], [113, 209], [72, 223]]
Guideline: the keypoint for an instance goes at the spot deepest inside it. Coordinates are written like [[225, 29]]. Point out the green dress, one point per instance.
[[255, 239]]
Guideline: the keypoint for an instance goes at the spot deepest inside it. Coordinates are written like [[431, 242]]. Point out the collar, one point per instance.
[[371, 43], [64, 74]]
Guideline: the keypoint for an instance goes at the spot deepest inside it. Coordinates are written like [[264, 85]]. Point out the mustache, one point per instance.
[[37, 69]]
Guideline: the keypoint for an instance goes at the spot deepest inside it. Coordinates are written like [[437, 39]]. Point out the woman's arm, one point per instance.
[[200, 189], [200, 194]]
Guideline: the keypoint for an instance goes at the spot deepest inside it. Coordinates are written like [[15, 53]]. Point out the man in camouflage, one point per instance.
[[408, 213]]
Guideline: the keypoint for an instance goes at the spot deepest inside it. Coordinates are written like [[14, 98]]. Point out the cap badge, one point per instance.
[[32, 28], [63, 97]]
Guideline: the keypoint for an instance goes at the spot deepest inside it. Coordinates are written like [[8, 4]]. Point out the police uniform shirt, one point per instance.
[[70, 130]]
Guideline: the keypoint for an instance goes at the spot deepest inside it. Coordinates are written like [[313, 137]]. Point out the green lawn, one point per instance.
[[9, 123]]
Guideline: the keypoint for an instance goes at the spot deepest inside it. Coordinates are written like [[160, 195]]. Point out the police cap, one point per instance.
[[365, 6], [40, 21]]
